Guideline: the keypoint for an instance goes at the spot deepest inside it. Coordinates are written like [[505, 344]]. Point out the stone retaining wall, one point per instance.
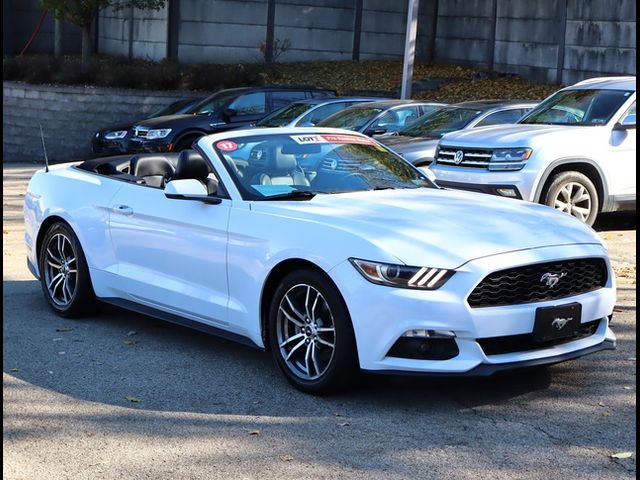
[[69, 117]]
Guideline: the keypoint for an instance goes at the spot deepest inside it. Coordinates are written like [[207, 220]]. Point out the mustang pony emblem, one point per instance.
[[559, 323], [552, 279]]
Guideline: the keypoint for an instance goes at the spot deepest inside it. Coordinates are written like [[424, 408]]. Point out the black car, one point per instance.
[[224, 110], [114, 140]]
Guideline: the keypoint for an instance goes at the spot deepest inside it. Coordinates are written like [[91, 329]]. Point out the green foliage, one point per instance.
[[81, 12]]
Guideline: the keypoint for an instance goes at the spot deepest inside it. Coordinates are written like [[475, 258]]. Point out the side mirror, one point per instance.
[[228, 114], [375, 131], [189, 189], [627, 123]]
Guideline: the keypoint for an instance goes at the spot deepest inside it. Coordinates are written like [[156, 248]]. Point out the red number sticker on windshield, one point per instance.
[[227, 146]]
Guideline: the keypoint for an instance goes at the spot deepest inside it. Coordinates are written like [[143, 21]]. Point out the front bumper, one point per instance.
[[139, 145], [493, 189], [485, 181], [381, 315], [103, 147]]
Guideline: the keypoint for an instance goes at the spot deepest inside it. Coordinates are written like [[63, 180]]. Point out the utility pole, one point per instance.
[[409, 48]]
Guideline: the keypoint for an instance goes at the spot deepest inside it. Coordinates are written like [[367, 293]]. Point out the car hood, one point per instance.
[[516, 135], [436, 227], [167, 121], [115, 128], [412, 149]]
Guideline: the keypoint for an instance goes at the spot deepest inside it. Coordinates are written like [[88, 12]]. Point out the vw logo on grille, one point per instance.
[[552, 279], [458, 157]]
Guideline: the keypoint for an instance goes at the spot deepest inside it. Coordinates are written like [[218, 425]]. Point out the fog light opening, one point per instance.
[[422, 333], [507, 192]]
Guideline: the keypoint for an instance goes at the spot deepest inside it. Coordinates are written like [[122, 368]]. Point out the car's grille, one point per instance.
[[464, 157], [539, 282], [523, 343], [140, 132]]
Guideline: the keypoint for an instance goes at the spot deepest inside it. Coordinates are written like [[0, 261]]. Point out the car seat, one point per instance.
[[281, 169], [191, 165], [155, 170]]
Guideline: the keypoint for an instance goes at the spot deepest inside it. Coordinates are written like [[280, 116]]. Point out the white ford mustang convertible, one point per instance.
[[326, 248]]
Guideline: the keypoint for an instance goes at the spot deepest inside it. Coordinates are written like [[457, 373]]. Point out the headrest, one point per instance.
[[143, 166], [281, 162], [191, 165]]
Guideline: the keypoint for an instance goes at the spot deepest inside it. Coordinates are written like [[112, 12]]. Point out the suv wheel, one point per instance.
[[573, 193]]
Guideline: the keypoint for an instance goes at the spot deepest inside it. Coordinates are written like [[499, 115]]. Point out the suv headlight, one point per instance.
[[115, 135], [402, 276], [509, 158], [159, 133]]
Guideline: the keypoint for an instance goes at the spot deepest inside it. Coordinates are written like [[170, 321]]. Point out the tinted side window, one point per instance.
[[282, 99], [250, 104], [505, 116], [323, 112], [321, 94]]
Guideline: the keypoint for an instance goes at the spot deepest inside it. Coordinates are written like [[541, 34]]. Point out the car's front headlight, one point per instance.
[[402, 276], [115, 135], [159, 133], [509, 158]]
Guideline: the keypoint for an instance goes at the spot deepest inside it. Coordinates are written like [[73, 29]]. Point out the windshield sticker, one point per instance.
[[227, 146], [331, 138]]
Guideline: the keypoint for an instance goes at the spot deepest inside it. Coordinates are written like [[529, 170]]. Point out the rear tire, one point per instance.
[[310, 334], [573, 193], [64, 274]]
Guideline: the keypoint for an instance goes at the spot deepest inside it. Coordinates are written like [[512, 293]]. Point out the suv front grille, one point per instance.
[[531, 283], [475, 158]]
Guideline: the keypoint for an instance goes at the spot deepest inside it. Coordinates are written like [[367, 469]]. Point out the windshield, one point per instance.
[[181, 106], [298, 166], [351, 118], [214, 102], [285, 115], [436, 124], [578, 107]]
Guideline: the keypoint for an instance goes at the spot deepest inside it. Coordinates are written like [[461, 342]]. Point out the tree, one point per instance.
[[82, 13]]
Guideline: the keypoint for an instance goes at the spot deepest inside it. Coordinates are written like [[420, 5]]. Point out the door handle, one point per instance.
[[123, 209]]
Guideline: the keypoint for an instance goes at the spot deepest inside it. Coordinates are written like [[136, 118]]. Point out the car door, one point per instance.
[[621, 162], [171, 254]]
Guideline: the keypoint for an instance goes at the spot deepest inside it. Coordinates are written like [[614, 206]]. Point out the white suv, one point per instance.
[[575, 152]]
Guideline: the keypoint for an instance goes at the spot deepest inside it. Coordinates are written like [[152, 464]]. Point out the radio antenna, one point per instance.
[[46, 159]]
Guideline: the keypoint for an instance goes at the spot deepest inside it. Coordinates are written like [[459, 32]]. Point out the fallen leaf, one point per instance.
[[5, 232], [633, 359], [626, 387], [254, 432], [622, 455], [345, 424], [601, 404], [338, 414], [132, 332], [64, 329], [130, 342], [605, 414], [286, 458], [133, 399], [14, 370]]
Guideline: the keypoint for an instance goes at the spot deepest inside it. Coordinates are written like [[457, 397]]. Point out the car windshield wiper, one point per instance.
[[294, 195]]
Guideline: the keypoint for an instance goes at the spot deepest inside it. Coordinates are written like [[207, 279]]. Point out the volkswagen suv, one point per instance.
[[575, 152]]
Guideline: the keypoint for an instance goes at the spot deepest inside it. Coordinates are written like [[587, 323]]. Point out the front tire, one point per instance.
[[64, 275], [573, 193], [310, 333]]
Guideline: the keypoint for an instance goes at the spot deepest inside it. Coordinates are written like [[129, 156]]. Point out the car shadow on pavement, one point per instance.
[[117, 354], [615, 221]]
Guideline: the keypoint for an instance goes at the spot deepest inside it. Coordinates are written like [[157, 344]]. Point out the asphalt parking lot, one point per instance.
[[120, 395]]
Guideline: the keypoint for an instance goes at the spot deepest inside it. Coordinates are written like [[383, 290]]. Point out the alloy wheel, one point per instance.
[[573, 198], [305, 332], [60, 269]]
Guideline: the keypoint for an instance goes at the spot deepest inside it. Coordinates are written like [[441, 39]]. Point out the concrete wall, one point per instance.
[[139, 33], [557, 41], [69, 117]]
